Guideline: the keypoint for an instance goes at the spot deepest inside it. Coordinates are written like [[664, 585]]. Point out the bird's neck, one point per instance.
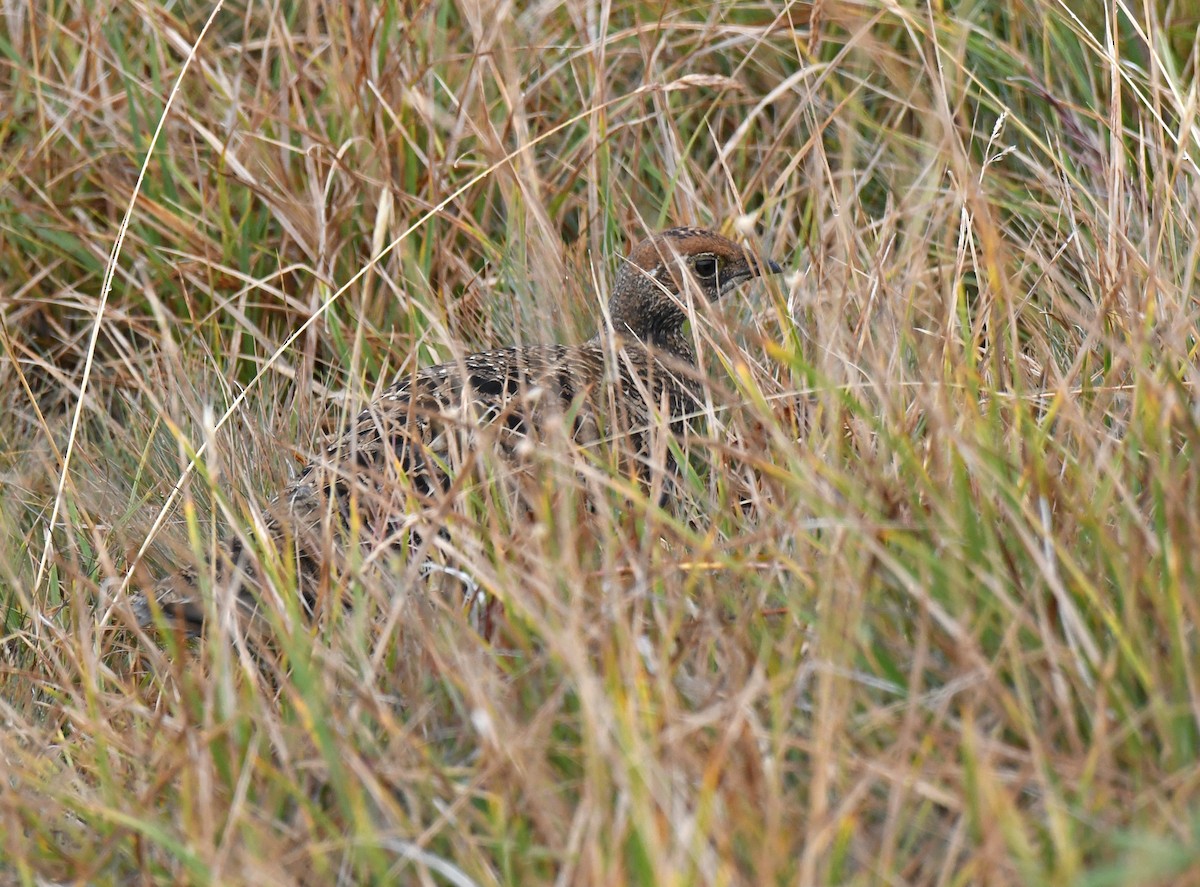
[[640, 313], [673, 342]]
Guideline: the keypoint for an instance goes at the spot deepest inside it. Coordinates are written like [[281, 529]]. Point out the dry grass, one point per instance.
[[927, 613]]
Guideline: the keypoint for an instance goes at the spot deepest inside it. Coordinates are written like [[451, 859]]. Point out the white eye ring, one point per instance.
[[706, 267]]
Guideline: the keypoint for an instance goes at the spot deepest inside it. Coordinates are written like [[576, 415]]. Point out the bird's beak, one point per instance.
[[760, 268], [752, 266]]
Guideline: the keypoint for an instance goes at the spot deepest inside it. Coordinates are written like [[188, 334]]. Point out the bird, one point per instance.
[[410, 445]]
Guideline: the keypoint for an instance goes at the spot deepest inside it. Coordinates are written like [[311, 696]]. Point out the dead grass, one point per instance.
[[927, 613]]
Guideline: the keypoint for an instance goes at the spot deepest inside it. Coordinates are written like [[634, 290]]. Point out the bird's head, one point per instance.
[[649, 297]]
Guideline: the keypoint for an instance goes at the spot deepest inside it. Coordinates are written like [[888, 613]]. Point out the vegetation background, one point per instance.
[[928, 614]]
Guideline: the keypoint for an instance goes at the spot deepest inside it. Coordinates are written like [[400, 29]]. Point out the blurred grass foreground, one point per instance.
[[927, 612]]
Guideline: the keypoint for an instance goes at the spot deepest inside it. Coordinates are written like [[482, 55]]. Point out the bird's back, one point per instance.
[[403, 461]]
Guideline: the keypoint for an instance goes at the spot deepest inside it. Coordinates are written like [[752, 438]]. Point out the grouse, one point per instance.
[[408, 447]]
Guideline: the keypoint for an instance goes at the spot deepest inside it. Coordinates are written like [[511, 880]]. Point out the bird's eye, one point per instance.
[[706, 268]]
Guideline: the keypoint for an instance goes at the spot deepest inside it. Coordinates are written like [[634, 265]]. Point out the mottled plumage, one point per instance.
[[405, 451]]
